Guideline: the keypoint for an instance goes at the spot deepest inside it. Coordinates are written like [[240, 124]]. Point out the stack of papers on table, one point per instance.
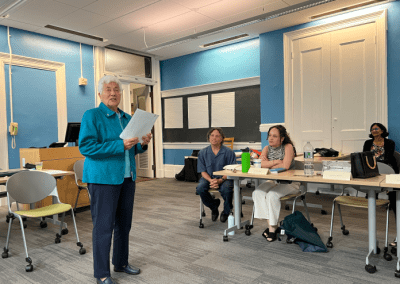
[[233, 168], [258, 171]]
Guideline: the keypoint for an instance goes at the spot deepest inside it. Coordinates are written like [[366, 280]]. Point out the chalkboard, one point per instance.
[[247, 118]]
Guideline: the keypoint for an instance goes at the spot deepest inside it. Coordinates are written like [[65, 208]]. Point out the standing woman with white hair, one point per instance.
[[110, 173]]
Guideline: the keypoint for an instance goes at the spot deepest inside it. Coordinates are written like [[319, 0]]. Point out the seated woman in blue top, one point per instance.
[[279, 153], [211, 159], [110, 173], [383, 149]]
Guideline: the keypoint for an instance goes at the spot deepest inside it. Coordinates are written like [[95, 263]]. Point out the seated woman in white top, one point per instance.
[[279, 154]]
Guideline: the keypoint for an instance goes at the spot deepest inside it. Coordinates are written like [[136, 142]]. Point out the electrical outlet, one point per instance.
[[82, 81]]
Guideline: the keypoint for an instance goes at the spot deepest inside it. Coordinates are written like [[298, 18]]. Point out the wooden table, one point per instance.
[[370, 185]]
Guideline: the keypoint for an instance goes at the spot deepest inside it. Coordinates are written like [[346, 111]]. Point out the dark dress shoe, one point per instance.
[[128, 269], [108, 280], [224, 217], [215, 213]]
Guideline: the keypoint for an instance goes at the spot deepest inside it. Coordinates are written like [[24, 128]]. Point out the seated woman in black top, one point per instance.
[[383, 149]]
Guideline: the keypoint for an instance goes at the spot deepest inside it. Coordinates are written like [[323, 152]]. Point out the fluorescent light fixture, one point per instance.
[[7, 6], [224, 40], [75, 33], [240, 24], [348, 8]]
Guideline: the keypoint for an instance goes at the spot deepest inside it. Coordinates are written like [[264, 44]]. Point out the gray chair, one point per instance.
[[361, 202], [78, 169], [29, 187]]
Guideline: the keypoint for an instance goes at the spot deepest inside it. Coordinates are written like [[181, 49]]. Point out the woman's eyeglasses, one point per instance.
[[375, 129]]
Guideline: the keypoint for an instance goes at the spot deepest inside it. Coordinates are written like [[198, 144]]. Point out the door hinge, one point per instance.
[[153, 167]]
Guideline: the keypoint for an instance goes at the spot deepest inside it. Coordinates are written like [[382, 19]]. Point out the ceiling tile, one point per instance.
[[19, 25], [41, 12], [153, 14], [225, 8], [193, 23], [81, 21], [76, 3], [110, 29], [133, 40], [117, 8], [195, 4]]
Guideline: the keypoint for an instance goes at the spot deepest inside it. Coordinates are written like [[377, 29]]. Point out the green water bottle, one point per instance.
[[245, 160]]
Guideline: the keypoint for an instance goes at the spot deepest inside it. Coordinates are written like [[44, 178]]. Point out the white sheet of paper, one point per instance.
[[336, 175], [198, 112], [139, 125], [173, 113], [394, 179], [223, 110]]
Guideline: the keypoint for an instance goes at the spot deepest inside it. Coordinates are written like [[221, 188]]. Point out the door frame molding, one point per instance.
[[61, 94], [378, 17]]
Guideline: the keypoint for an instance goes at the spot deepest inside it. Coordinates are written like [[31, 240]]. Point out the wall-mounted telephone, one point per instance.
[[13, 128]]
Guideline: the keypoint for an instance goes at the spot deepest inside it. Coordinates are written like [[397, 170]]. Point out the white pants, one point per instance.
[[266, 198]]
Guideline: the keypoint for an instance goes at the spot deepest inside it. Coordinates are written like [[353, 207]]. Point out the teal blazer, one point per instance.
[[104, 151]]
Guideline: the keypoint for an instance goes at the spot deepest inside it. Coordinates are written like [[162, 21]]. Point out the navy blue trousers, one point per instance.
[[111, 207], [226, 190]]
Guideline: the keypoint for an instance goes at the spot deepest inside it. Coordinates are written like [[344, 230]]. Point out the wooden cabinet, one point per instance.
[[62, 158]]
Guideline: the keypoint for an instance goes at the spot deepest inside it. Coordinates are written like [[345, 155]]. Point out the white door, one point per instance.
[[311, 86], [334, 88], [354, 86], [144, 161]]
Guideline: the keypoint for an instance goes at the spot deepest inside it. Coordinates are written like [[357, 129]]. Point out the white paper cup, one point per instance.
[[257, 163]]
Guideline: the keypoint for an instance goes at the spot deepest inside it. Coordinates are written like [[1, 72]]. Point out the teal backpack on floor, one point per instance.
[[297, 227]]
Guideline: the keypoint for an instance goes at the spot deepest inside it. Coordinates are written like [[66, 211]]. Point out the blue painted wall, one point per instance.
[[34, 95], [272, 72], [231, 62]]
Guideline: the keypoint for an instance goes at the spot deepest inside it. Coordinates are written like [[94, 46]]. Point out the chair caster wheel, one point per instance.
[[82, 251], [4, 255], [64, 231], [323, 212], [378, 250], [248, 227], [29, 268], [201, 226], [248, 185], [225, 238], [397, 274], [25, 226], [203, 214], [57, 240], [329, 245], [345, 232], [387, 256], [393, 250], [370, 269], [287, 207], [247, 232], [43, 224], [317, 192]]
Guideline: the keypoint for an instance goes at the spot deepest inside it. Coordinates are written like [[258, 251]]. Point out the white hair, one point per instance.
[[107, 80]]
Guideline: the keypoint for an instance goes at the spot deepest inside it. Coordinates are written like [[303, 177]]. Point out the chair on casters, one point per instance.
[[202, 212], [361, 202], [29, 187], [78, 169], [300, 195]]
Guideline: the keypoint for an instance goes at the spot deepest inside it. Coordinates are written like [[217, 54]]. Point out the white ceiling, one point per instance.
[[141, 24]]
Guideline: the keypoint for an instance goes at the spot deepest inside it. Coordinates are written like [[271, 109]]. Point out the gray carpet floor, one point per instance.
[[169, 247]]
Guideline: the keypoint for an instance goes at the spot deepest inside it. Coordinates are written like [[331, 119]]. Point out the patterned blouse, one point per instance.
[[278, 153], [379, 152]]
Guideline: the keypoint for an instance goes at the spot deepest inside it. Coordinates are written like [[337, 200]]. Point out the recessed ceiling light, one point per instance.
[[224, 40], [348, 8], [75, 33]]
